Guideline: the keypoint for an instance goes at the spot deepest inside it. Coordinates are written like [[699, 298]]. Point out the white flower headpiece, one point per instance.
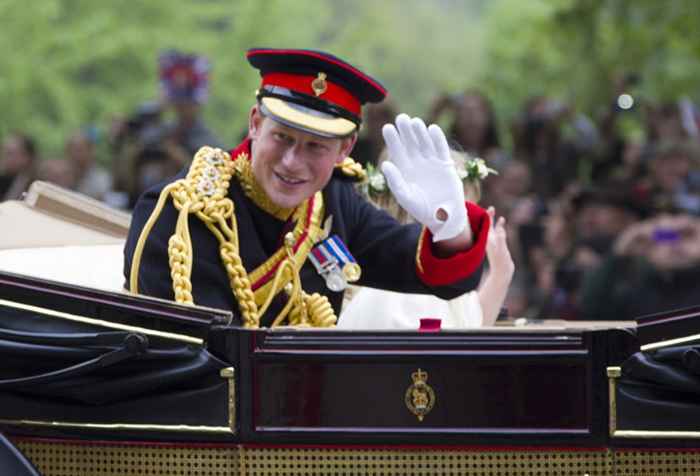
[[469, 169], [375, 183], [474, 169]]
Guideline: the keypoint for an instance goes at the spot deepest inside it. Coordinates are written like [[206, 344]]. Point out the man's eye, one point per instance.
[[281, 137], [317, 147]]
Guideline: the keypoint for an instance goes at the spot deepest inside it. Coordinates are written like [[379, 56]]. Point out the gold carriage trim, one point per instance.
[[107, 458], [204, 192], [614, 373]]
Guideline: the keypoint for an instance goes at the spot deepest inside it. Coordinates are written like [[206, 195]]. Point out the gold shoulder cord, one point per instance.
[[204, 192], [352, 169]]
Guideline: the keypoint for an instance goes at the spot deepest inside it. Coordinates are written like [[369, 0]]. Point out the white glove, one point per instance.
[[423, 178]]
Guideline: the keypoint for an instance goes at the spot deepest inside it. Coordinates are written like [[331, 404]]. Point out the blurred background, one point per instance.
[[588, 110]]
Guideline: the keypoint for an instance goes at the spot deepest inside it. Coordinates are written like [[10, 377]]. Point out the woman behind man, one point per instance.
[[371, 308]]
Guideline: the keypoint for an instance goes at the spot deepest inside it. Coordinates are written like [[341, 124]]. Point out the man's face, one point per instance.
[[291, 165]]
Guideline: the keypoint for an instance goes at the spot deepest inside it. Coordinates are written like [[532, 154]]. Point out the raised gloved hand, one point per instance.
[[423, 178]]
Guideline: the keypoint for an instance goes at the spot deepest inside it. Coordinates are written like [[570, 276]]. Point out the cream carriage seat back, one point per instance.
[[57, 234]]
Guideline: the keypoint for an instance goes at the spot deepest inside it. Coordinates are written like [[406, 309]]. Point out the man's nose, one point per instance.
[[292, 157]]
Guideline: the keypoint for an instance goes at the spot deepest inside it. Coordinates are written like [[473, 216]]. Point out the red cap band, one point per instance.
[[334, 93]]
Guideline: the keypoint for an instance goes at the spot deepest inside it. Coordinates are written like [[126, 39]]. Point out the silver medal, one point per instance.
[[335, 280]]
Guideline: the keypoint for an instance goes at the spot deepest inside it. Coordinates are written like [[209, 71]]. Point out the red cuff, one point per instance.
[[435, 271]]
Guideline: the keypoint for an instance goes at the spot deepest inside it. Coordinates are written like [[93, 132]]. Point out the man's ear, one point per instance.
[[255, 119], [346, 146]]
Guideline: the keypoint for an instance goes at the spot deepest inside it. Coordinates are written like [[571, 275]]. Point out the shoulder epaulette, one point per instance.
[[352, 170]]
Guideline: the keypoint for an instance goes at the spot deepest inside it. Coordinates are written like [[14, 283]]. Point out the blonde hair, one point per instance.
[[387, 202]]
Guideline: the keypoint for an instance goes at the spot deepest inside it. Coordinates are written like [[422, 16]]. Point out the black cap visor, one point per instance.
[[307, 114]]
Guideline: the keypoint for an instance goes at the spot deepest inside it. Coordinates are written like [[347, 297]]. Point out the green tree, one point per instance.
[[575, 49], [68, 63]]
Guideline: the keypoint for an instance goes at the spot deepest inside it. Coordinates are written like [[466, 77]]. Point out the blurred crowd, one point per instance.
[[138, 150], [602, 212]]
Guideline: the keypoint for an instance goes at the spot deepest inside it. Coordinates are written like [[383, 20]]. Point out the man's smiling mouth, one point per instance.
[[289, 180]]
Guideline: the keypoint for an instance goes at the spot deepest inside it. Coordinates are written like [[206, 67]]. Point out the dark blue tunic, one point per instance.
[[385, 250]]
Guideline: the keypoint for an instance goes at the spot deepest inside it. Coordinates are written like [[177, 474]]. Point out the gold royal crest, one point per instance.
[[419, 397]]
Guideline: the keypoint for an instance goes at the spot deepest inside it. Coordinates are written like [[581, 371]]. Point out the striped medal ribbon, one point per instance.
[[335, 263]]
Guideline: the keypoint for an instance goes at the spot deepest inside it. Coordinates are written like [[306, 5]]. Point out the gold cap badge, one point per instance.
[[319, 85]]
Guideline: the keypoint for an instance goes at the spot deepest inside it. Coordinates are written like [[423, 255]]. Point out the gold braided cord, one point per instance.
[[352, 169], [295, 309], [299, 216], [288, 262], [301, 310], [319, 310], [204, 193], [240, 284], [141, 243], [286, 270], [313, 232], [180, 258]]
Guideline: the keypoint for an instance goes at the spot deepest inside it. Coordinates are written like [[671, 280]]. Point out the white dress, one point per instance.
[[372, 308]]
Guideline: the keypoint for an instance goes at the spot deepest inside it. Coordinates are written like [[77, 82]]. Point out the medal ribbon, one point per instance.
[[331, 256]]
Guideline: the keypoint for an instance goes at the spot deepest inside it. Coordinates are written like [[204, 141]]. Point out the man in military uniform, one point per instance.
[[274, 229]]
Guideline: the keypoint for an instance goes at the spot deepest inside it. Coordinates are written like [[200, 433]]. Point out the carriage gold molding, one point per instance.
[[226, 373], [613, 374], [229, 374], [120, 426], [100, 322]]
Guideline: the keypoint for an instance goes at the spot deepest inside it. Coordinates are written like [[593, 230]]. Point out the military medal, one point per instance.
[[335, 263]]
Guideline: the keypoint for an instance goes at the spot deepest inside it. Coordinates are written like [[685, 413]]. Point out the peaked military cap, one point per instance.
[[313, 91]]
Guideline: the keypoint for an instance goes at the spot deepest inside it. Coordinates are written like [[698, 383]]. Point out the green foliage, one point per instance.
[[82, 62], [68, 63], [577, 49]]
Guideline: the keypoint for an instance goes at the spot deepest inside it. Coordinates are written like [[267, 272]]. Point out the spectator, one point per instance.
[[578, 237], [665, 124], [150, 165], [510, 188], [184, 80], [57, 171], [128, 136], [602, 213], [473, 124], [673, 170], [17, 165], [90, 178], [622, 133], [540, 141], [370, 143], [655, 267]]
